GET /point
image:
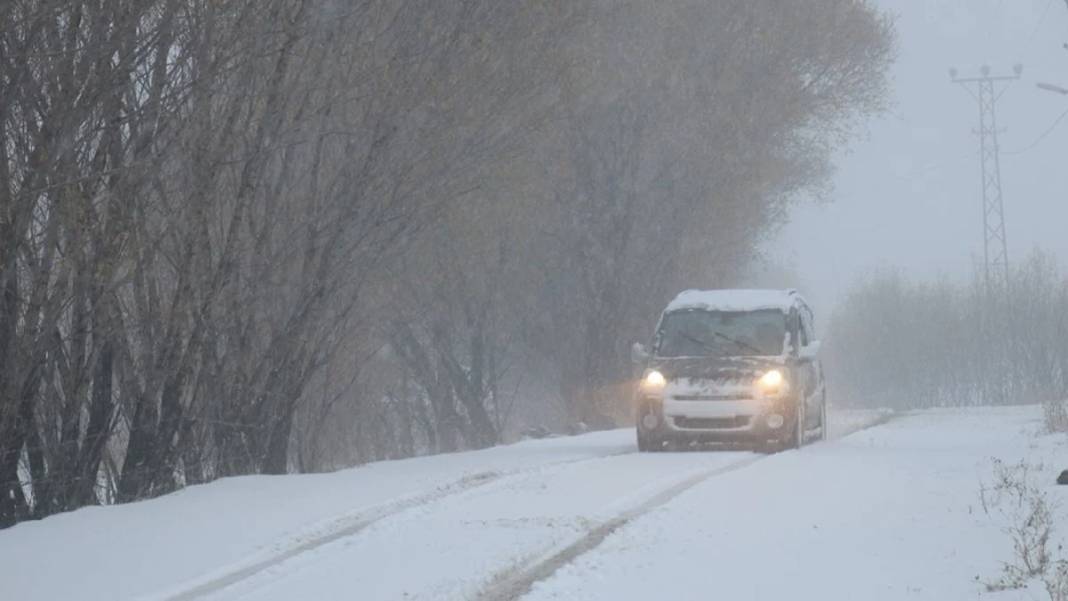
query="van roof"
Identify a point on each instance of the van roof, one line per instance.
(734, 300)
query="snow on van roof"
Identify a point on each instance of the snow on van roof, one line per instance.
(733, 300)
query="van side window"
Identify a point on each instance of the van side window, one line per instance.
(793, 328)
(807, 333)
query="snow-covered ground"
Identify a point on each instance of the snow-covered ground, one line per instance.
(888, 512)
(892, 512)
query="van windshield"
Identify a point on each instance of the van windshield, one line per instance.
(701, 333)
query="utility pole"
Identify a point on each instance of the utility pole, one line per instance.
(995, 319)
(984, 90)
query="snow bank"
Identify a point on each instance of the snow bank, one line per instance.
(135, 550)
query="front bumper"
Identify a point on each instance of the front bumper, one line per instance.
(744, 420)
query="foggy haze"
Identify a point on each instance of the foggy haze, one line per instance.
(907, 194)
(531, 300)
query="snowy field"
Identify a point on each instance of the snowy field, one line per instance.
(890, 511)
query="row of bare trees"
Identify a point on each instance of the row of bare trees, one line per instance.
(257, 236)
(912, 344)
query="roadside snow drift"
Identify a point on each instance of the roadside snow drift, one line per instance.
(130, 551)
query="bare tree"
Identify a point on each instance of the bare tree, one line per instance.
(251, 236)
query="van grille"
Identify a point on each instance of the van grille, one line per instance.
(713, 423)
(712, 397)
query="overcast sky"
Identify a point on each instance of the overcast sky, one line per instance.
(907, 194)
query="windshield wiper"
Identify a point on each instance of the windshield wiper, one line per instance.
(708, 346)
(740, 343)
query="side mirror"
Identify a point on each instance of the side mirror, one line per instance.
(638, 353)
(810, 351)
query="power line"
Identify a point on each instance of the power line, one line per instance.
(1038, 25)
(1042, 137)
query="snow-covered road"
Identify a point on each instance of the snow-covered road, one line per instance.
(888, 512)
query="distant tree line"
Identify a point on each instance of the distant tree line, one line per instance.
(908, 344)
(262, 236)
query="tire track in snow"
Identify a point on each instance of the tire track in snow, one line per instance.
(341, 528)
(515, 582)
(349, 526)
(508, 584)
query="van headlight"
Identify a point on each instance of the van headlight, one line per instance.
(653, 380)
(771, 383)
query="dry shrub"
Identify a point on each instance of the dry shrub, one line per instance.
(1056, 580)
(1029, 513)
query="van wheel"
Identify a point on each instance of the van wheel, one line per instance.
(796, 438)
(649, 422)
(647, 443)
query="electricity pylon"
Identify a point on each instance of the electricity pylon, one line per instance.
(984, 90)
